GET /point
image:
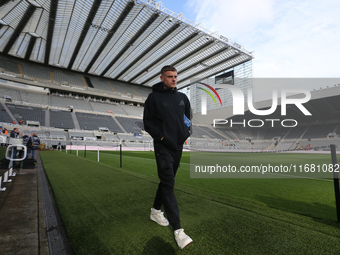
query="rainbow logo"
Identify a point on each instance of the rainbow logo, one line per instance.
(209, 93)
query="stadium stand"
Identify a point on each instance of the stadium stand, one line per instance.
(53, 143)
(244, 133)
(10, 94)
(140, 124)
(34, 98)
(56, 134)
(134, 137)
(296, 132)
(142, 91)
(197, 132)
(284, 145)
(106, 107)
(126, 137)
(35, 71)
(102, 84)
(49, 134)
(319, 131)
(110, 137)
(133, 110)
(27, 113)
(71, 78)
(318, 144)
(205, 131)
(80, 135)
(259, 145)
(4, 116)
(270, 133)
(123, 88)
(59, 77)
(130, 124)
(94, 143)
(61, 119)
(89, 121)
(9, 65)
(226, 132)
(69, 102)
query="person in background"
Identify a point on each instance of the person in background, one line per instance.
(14, 134)
(59, 145)
(32, 145)
(25, 139)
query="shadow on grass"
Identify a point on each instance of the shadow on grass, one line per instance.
(312, 209)
(157, 245)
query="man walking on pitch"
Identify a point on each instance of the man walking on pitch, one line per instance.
(166, 118)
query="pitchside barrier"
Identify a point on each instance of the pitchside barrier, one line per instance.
(9, 150)
(119, 147)
(84, 149)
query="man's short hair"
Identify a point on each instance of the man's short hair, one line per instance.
(168, 68)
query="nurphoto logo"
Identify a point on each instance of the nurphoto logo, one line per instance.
(238, 105)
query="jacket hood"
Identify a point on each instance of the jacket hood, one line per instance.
(159, 87)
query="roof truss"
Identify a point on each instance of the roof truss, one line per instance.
(125, 40)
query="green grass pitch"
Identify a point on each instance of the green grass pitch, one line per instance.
(106, 209)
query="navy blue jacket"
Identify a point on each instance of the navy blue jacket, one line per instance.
(14, 135)
(36, 141)
(164, 116)
(25, 138)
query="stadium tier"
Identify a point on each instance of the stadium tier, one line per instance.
(102, 84)
(226, 132)
(132, 110)
(110, 137)
(66, 80)
(9, 65)
(61, 119)
(35, 71)
(319, 131)
(63, 76)
(80, 135)
(296, 132)
(68, 102)
(107, 107)
(204, 131)
(285, 145)
(129, 124)
(10, 94)
(94, 121)
(34, 98)
(96, 144)
(27, 113)
(4, 116)
(270, 133)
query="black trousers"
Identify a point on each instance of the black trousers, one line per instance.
(167, 165)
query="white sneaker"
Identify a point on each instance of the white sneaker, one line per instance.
(182, 239)
(157, 216)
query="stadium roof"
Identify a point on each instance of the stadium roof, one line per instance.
(124, 40)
